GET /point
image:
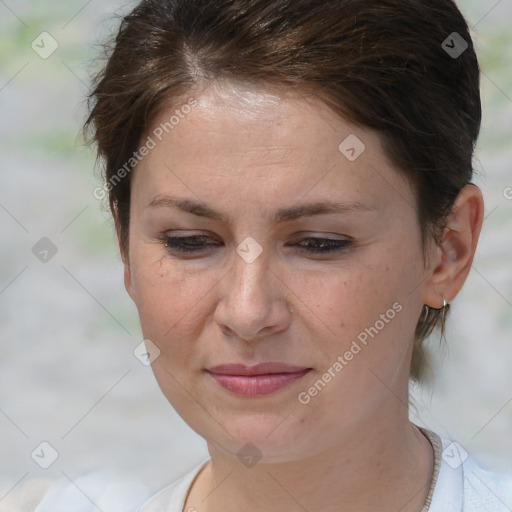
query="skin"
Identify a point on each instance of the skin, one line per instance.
(247, 153)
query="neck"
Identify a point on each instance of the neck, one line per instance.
(379, 465)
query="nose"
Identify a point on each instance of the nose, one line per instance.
(253, 303)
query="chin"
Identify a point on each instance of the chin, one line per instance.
(266, 437)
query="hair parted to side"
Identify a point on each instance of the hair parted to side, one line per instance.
(380, 64)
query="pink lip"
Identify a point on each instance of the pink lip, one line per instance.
(258, 369)
(258, 380)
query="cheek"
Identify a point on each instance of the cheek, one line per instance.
(168, 297)
(348, 298)
(363, 308)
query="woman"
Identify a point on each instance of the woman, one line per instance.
(291, 187)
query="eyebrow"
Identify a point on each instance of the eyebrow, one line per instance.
(284, 214)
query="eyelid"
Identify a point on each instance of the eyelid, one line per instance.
(322, 246)
(321, 234)
(190, 233)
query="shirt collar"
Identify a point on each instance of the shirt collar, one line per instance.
(448, 488)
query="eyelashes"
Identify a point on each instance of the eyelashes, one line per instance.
(312, 245)
(184, 244)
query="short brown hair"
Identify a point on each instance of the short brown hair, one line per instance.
(405, 68)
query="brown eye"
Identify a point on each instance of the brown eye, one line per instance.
(323, 245)
(188, 244)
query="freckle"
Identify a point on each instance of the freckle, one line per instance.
(342, 324)
(160, 272)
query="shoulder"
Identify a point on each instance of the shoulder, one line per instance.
(101, 490)
(465, 483)
(93, 491)
(485, 489)
(172, 498)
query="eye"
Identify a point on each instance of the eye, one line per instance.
(323, 245)
(187, 244)
(198, 244)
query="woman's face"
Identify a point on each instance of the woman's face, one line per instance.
(256, 286)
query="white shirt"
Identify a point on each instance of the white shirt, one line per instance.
(459, 484)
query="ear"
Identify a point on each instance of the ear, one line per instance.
(128, 283)
(454, 255)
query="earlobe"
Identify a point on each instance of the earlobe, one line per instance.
(457, 248)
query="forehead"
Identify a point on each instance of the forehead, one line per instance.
(255, 122)
(263, 143)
